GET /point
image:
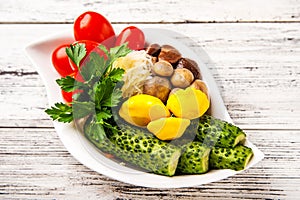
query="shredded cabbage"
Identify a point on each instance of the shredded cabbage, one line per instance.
(137, 65)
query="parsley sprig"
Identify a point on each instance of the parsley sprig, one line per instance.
(76, 53)
(61, 112)
(99, 93)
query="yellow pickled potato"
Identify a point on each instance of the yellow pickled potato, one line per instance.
(140, 109)
(168, 128)
(189, 103)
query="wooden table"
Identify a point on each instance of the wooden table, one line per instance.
(255, 49)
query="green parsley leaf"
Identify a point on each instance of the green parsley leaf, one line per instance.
(66, 84)
(97, 130)
(60, 112)
(116, 74)
(114, 99)
(103, 114)
(94, 68)
(106, 94)
(119, 51)
(104, 49)
(98, 93)
(69, 84)
(76, 53)
(116, 52)
(82, 109)
(103, 91)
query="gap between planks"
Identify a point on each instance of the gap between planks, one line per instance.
(52, 128)
(155, 22)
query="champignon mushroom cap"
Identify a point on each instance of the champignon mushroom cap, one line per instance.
(190, 65)
(200, 85)
(153, 49)
(182, 78)
(158, 87)
(163, 68)
(169, 53)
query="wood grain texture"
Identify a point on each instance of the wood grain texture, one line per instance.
(35, 165)
(251, 48)
(174, 11)
(257, 71)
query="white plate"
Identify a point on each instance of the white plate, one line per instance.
(40, 54)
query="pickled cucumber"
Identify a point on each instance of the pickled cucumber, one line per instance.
(194, 159)
(235, 158)
(215, 132)
(137, 147)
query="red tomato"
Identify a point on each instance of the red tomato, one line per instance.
(93, 26)
(134, 36)
(60, 61)
(68, 96)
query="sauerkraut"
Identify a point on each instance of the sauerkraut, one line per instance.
(137, 66)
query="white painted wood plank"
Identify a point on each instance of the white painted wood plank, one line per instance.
(56, 11)
(35, 165)
(256, 67)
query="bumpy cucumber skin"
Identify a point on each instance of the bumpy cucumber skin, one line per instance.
(139, 148)
(194, 159)
(188, 136)
(230, 158)
(214, 132)
(104, 144)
